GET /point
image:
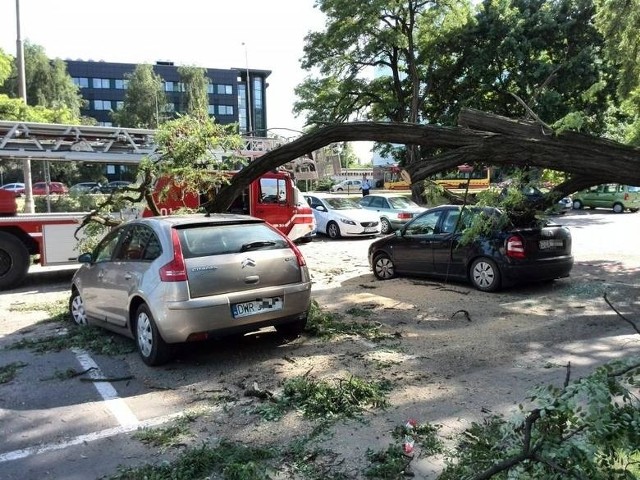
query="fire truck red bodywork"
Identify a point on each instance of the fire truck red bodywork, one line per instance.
(272, 197)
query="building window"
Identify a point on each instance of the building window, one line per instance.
(119, 105)
(101, 83)
(102, 104)
(224, 89)
(121, 84)
(210, 88)
(105, 124)
(211, 110)
(225, 110)
(82, 82)
(168, 86)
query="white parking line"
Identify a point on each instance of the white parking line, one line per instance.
(90, 437)
(115, 404)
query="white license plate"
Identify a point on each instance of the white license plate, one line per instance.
(370, 229)
(255, 307)
(553, 243)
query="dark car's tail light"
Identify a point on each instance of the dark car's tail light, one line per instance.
(175, 270)
(515, 247)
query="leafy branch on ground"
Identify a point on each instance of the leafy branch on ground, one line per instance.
(57, 311)
(326, 400)
(233, 461)
(92, 339)
(588, 428)
(327, 325)
(170, 435)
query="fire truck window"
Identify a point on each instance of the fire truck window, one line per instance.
(241, 203)
(272, 191)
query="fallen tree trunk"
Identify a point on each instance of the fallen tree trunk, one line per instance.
(481, 138)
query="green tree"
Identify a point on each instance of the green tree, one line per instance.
(145, 102)
(47, 81)
(548, 54)
(5, 66)
(195, 99)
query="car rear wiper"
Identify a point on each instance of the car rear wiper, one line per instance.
(255, 245)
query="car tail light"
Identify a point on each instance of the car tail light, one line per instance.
(301, 260)
(515, 247)
(626, 196)
(405, 216)
(175, 270)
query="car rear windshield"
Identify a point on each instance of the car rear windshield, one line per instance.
(634, 189)
(206, 240)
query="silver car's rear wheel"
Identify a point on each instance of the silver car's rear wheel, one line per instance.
(383, 267)
(484, 275)
(577, 204)
(76, 308)
(152, 348)
(385, 226)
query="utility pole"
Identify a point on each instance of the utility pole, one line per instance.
(29, 206)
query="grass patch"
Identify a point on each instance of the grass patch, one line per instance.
(9, 371)
(231, 461)
(170, 435)
(92, 339)
(389, 464)
(327, 325)
(319, 399)
(359, 312)
(58, 311)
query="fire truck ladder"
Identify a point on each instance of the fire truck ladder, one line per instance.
(114, 145)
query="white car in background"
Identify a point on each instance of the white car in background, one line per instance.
(349, 186)
(343, 217)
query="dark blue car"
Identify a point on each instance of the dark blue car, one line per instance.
(430, 245)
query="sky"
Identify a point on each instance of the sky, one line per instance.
(203, 33)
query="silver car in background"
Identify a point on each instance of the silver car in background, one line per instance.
(168, 280)
(395, 209)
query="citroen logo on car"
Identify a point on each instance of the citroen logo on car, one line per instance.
(248, 262)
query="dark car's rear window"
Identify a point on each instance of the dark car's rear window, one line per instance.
(200, 241)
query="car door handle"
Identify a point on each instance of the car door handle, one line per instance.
(252, 279)
(127, 276)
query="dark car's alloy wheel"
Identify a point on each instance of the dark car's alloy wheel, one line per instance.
(383, 267)
(577, 204)
(152, 348)
(76, 309)
(333, 230)
(484, 275)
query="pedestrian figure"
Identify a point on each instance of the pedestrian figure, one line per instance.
(366, 186)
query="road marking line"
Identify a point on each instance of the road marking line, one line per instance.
(113, 402)
(90, 437)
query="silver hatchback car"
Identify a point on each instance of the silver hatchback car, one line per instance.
(168, 280)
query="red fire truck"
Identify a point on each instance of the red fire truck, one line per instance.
(272, 197)
(50, 236)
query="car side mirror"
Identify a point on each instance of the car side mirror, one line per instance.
(320, 208)
(85, 258)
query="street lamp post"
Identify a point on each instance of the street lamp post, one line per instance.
(249, 121)
(29, 206)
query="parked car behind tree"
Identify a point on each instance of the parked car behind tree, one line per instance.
(610, 195)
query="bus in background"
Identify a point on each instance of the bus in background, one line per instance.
(454, 180)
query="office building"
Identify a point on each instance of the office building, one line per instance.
(103, 86)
